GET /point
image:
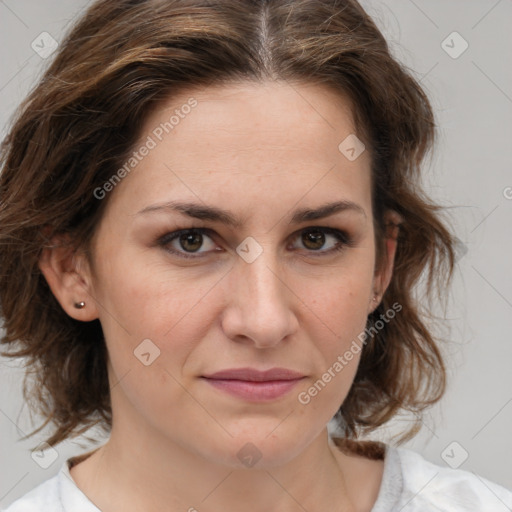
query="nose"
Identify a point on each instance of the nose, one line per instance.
(260, 304)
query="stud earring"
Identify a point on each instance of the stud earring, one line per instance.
(79, 305)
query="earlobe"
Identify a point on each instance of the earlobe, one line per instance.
(68, 276)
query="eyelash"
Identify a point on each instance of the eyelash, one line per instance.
(342, 236)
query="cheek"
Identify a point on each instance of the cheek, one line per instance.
(322, 395)
(337, 316)
(341, 305)
(156, 319)
(147, 299)
(156, 394)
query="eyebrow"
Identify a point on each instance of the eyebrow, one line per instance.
(215, 214)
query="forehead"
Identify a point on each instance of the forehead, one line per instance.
(246, 138)
(274, 114)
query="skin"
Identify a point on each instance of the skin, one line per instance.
(260, 151)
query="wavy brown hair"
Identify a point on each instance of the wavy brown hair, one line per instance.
(83, 118)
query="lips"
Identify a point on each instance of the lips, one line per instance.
(253, 385)
(253, 375)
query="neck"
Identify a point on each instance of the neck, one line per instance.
(133, 471)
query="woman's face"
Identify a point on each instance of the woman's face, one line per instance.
(259, 283)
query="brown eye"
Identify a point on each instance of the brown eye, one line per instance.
(313, 240)
(188, 242)
(191, 242)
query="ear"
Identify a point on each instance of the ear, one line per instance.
(69, 277)
(382, 277)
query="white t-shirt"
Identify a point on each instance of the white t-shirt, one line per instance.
(409, 484)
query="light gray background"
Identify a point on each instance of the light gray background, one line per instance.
(470, 173)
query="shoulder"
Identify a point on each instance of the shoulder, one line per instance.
(428, 486)
(43, 498)
(57, 494)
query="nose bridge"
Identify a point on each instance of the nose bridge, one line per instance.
(264, 286)
(261, 300)
(262, 279)
(257, 264)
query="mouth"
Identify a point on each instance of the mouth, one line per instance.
(254, 385)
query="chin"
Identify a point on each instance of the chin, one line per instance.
(261, 448)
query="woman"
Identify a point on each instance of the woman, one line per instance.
(211, 232)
